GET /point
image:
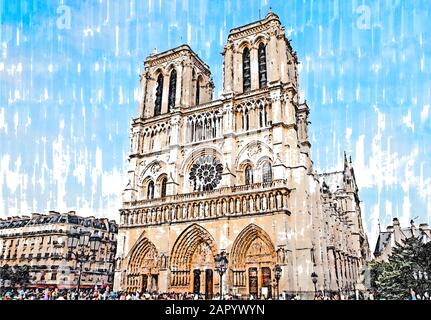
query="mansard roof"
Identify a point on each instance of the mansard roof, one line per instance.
(384, 238)
(57, 218)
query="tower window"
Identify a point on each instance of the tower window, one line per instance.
(159, 93)
(262, 66)
(246, 120)
(172, 90)
(248, 173)
(246, 77)
(266, 173)
(163, 185)
(150, 190)
(198, 90)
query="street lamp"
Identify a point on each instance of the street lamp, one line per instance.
(278, 272)
(77, 242)
(221, 267)
(314, 277)
(420, 277)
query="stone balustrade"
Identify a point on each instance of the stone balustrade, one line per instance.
(227, 201)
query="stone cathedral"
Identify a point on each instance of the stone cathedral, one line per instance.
(233, 175)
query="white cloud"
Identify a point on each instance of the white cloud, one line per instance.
(407, 120)
(425, 113)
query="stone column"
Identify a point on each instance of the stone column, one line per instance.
(228, 68)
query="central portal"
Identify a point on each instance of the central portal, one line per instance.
(202, 266)
(208, 284)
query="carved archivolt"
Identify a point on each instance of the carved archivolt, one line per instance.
(188, 243)
(252, 152)
(151, 171)
(252, 246)
(144, 259)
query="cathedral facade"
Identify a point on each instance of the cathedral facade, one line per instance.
(233, 175)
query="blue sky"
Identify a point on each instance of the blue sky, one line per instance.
(69, 89)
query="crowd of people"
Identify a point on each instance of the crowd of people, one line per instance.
(105, 293)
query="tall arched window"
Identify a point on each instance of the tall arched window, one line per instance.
(246, 120)
(159, 93)
(248, 174)
(163, 185)
(266, 173)
(262, 66)
(246, 76)
(172, 90)
(150, 190)
(198, 90)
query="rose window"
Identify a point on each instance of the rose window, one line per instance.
(206, 173)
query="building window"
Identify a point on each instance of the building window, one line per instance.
(163, 187)
(263, 116)
(266, 173)
(172, 90)
(54, 276)
(246, 125)
(246, 76)
(262, 66)
(159, 93)
(198, 90)
(248, 173)
(150, 190)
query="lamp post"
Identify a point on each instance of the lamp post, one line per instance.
(77, 243)
(278, 272)
(314, 277)
(221, 267)
(420, 277)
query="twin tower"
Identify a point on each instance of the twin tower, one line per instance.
(232, 176)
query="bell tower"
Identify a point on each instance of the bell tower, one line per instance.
(174, 79)
(258, 55)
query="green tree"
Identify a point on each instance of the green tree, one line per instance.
(407, 269)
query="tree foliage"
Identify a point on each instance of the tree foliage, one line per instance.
(17, 275)
(396, 278)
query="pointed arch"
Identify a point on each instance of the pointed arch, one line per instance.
(243, 242)
(248, 174)
(246, 71)
(163, 186)
(172, 90)
(198, 90)
(187, 243)
(262, 65)
(144, 258)
(266, 172)
(150, 190)
(159, 95)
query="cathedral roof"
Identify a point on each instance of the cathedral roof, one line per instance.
(269, 17)
(334, 180)
(171, 52)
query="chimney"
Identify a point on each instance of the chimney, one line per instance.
(53, 212)
(35, 215)
(423, 226)
(72, 213)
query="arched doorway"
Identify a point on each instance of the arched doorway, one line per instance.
(143, 269)
(192, 262)
(253, 258)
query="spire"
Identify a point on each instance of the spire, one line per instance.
(346, 163)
